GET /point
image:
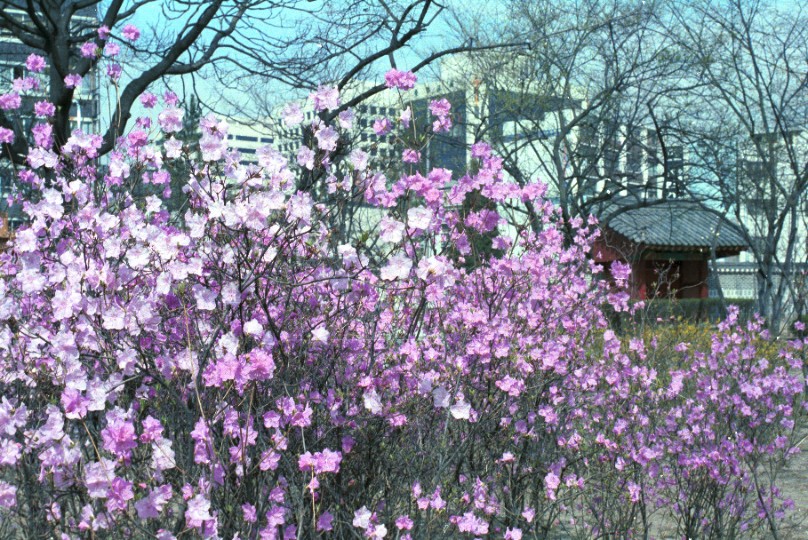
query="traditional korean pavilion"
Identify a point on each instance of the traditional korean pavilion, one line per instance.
(668, 244)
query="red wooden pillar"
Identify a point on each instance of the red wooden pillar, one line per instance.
(704, 291)
(639, 278)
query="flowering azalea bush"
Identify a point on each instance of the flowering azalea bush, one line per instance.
(239, 371)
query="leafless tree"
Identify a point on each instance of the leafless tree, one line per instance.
(577, 109)
(706, 100)
(294, 43)
(56, 30)
(337, 43)
(744, 126)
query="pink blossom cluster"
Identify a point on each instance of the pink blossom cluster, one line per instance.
(242, 370)
(441, 110)
(403, 80)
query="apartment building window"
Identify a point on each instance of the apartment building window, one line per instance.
(588, 150)
(652, 144)
(761, 170)
(759, 244)
(611, 160)
(675, 169)
(634, 160)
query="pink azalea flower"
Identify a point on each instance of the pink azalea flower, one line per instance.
(634, 491)
(10, 453)
(391, 231)
(197, 511)
(212, 148)
(362, 518)
(299, 207)
(305, 158)
(170, 120)
(442, 125)
(292, 114)
(325, 522)
(43, 135)
(406, 117)
(35, 63)
(152, 429)
(119, 494)
(24, 84)
(373, 402)
(420, 217)
(398, 267)
(410, 156)
(249, 513)
(621, 272)
(440, 107)
(130, 32)
(44, 108)
(470, 523)
(480, 150)
(98, 476)
(346, 119)
(8, 495)
(119, 436)
(171, 99)
(551, 483)
(10, 101)
(327, 139)
(114, 71)
(148, 100)
(358, 159)
(74, 403)
(513, 534)
(404, 523)
(461, 410)
(403, 80)
(173, 148)
(138, 138)
(112, 49)
(325, 98)
(152, 505)
(73, 81)
(320, 335)
(89, 49)
(382, 126)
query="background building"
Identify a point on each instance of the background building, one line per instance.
(771, 169)
(247, 138)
